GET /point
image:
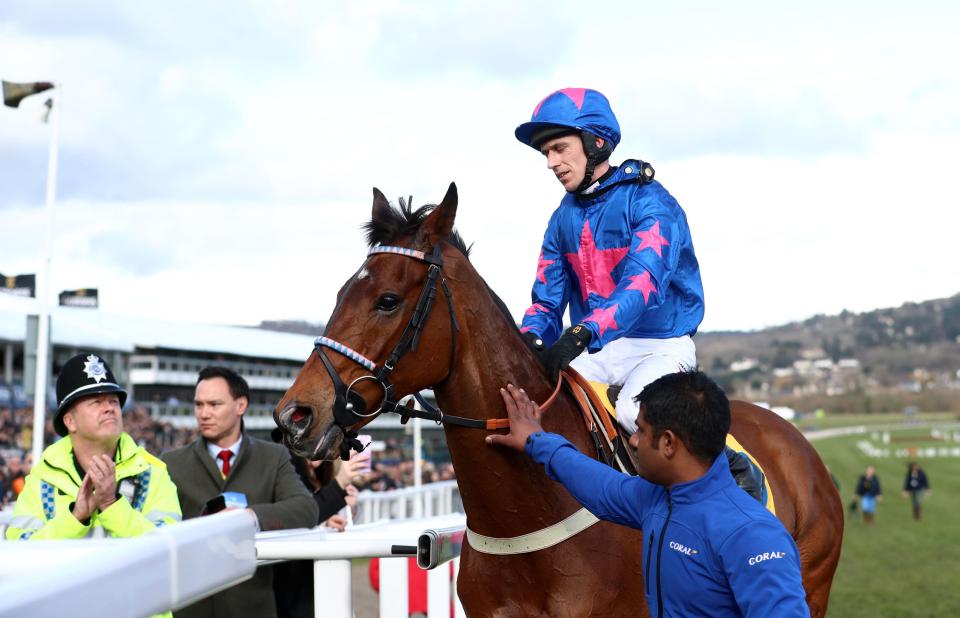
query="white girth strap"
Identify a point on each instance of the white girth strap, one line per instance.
(534, 541)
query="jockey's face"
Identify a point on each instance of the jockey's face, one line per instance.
(566, 159)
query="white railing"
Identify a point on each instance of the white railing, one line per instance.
(166, 569)
(432, 499)
(181, 564)
(392, 542)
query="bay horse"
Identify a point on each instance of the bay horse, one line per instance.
(465, 346)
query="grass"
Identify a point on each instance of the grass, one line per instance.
(898, 567)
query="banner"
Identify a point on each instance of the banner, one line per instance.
(84, 297)
(19, 285)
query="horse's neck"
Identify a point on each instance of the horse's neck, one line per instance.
(497, 484)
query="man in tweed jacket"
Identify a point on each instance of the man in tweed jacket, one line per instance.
(227, 459)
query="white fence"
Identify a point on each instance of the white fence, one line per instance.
(428, 500)
(167, 569)
(392, 542)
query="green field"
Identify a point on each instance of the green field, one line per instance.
(898, 567)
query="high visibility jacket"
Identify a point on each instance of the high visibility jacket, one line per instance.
(622, 259)
(148, 498)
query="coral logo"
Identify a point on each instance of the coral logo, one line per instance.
(683, 549)
(767, 555)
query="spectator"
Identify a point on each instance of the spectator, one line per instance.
(226, 459)
(330, 482)
(916, 486)
(100, 481)
(869, 492)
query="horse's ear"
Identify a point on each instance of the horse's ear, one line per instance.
(439, 224)
(381, 207)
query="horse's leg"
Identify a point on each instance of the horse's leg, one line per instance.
(806, 500)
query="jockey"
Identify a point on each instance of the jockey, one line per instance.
(617, 250)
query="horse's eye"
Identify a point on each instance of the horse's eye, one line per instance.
(388, 302)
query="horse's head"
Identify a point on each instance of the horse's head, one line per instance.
(386, 338)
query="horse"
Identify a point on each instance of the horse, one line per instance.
(465, 347)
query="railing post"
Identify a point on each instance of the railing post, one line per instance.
(332, 588)
(394, 597)
(438, 592)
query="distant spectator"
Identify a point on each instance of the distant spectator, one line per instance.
(330, 482)
(869, 492)
(916, 486)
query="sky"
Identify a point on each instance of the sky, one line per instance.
(216, 160)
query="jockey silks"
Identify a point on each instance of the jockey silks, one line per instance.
(622, 258)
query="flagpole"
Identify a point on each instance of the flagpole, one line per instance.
(43, 333)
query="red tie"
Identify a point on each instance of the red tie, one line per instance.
(225, 456)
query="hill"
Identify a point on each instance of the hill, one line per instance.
(908, 355)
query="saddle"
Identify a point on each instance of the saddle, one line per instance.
(746, 471)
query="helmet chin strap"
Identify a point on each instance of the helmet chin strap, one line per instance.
(595, 156)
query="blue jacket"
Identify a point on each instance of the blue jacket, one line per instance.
(623, 259)
(709, 548)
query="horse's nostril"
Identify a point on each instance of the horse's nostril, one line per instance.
(299, 414)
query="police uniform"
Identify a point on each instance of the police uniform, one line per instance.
(147, 498)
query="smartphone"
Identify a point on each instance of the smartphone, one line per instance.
(365, 456)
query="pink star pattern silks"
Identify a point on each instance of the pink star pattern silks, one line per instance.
(604, 319)
(643, 283)
(594, 266)
(534, 309)
(574, 94)
(651, 238)
(542, 265)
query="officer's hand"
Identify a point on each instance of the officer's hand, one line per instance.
(569, 346)
(85, 503)
(524, 418)
(104, 476)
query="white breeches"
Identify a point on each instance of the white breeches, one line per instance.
(634, 363)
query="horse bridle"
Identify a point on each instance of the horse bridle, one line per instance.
(349, 407)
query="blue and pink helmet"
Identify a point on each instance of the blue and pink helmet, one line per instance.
(571, 110)
(574, 111)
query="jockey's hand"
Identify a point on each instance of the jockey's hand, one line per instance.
(524, 418)
(569, 346)
(534, 342)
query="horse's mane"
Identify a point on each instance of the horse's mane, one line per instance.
(402, 221)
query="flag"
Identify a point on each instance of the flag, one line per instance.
(14, 92)
(84, 297)
(19, 285)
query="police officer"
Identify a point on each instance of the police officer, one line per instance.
(617, 250)
(96, 481)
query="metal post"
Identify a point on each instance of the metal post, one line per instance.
(8, 363)
(43, 295)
